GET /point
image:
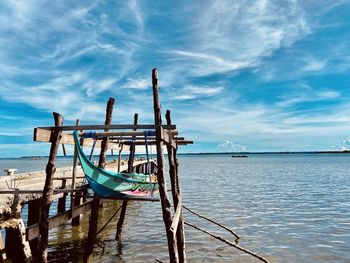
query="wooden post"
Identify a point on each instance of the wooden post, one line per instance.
(96, 201)
(61, 206)
(33, 218)
(48, 189)
(176, 192)
(119, 155)
(125, 202)
(74, 200)
(16, 246)
(64, 150)
(160, 173)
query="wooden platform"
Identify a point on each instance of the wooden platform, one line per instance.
(31, 184)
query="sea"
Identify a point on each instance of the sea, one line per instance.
(284, 207)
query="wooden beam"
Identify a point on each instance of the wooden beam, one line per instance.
(126, 133)
(27, 191)
(32, 231)
(110, 127)
(154, 142)
(43, 135)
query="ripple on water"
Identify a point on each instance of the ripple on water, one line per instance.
(288, 208)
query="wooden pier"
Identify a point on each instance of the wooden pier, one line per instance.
(27, 243)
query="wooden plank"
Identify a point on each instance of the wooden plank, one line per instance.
(176, 217)
(42, 135)
(110, 127)
(32, 231)
(167, 137)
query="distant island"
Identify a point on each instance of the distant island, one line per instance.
(285, 152)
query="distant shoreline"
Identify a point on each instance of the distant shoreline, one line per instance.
(285, 152)
(205, 153)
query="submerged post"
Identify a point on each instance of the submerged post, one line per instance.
(96, 201)
(130, 170)
(55, 137)
(160, 171)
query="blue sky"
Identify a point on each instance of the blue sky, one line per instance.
(238, 75)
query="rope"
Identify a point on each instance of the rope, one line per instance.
(228, 242)
(109, 220)
(214, 222)
(92, 149)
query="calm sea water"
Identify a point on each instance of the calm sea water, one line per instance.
(287, 208)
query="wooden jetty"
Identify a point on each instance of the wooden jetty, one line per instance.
(27, 243)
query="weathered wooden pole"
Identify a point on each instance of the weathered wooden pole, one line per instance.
(160, 171)
(96, 201)
(75, 199)
(56, 135)
(176, 192)
(120, 223)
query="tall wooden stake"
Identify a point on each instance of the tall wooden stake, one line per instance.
(95, 204)
(75, 199)
(125, 202)
(160, 173)
(56, 135)
(176, 192)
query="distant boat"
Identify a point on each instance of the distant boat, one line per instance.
(239, 156)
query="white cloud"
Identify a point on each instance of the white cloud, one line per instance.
(343, 146)
(229, 146)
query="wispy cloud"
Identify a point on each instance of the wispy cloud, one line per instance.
(138, 84)
(262, 73)
(306, 94)
(193, 92)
